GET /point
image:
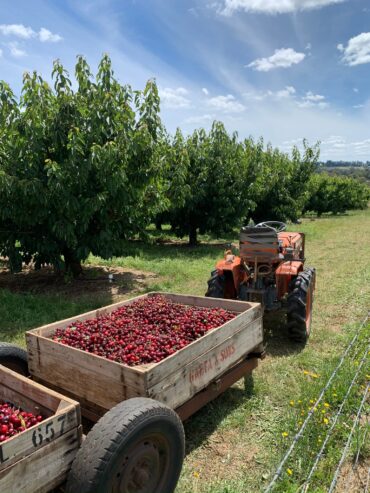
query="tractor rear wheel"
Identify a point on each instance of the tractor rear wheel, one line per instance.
(216, 286)
(300, 301)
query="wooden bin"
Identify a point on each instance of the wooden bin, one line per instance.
(39, 458)
(99, 384)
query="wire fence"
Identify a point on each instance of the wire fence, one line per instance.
(334, 422)
(359, 448)
(300, 433)
(345, 450)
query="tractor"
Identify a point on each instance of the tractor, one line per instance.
(270, 270)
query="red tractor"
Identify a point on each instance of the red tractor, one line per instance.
(270, 270)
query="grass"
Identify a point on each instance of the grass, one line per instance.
(234, 443)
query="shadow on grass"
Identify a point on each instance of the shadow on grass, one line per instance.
(169, 250)
(204, 422)
(23, 311)
(276, 336)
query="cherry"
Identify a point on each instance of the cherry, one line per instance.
(146, 331)
(14, 420)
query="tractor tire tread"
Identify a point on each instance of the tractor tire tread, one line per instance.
(216, 286)
(297, 305)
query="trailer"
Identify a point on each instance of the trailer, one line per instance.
(137, 442)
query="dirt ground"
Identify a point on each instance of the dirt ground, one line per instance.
(95, 281)
(354, 479)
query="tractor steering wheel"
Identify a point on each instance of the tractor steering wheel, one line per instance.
(274, 225)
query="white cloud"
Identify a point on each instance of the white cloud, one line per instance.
(18, 30)
(193, 11)
(226, 103)
(205, 91)
(24, 32)
(282, 58)
(333, 139)
(1, 52)
(310, 96)
(358, 106)
(311, 99)
(273, 6)
(287, 92)
(174, 98)
(335, 147)
(310, 104)
(338, 146)
(355, 89)
(357, 50)
(197, 120)
(47, 36)
(15, 51)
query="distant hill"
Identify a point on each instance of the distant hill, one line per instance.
(345, 164)
(354, 169)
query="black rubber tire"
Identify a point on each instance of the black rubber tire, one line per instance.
(106, 459)
(300, 301)
(14, 357)
(216, 286)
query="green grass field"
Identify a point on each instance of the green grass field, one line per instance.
(234, 443)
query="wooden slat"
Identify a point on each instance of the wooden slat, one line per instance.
(180, 386)
(260, 241)
(213, 338)
(204, 302)
(259, 249)
(43, 470)
(83, 374)
(216, 388)
(247, 236)
(29, 389)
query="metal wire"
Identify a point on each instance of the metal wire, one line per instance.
(367, 481)
(354, 466)
(363, 441)
(336, 417)
(336, 474)
(303, 427)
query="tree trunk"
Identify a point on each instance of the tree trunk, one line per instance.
(192, 235)
(72, 263)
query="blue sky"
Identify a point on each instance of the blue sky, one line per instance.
(281, 69)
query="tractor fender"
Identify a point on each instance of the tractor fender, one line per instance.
(232, 267)
(284, 274)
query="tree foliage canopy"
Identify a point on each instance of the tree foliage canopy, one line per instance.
(227, 181)
(213, 194)
(80, 169)
(336, 194)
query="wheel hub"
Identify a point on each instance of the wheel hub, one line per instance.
(141, 469)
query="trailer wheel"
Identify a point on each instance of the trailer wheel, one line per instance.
(216, 286)
(136, 447)
(14, 357)
(300, 301)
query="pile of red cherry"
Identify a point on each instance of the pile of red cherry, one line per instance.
(13, 420)
(146, 331)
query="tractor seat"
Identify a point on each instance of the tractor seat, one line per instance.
(261, 244)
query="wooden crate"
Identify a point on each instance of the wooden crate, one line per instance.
(38, 459)
(99, 384)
